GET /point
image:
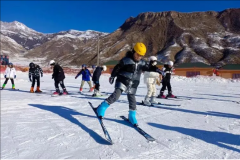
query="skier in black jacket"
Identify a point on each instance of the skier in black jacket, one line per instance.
(95, 78)
(167, 69)
(34, 75)
(58, 76)
(128, 72)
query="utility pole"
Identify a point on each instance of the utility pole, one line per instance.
(98, 51)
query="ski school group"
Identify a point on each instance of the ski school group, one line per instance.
(127, 73)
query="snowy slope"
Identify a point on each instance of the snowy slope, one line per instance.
(40, 126)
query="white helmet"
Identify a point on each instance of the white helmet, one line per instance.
(170, 63)
(104, 68)
(153, 58)
(52, 62)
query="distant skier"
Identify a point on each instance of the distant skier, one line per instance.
(34, 75)
(93, 69)
(58, 76)
(128, 72)
(168, 69)
(85, 77)
(96, 76)
(150, 79)
(10, 73)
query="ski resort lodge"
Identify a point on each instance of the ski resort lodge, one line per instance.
(194, 69)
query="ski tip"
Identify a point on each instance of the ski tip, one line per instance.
(151, 141)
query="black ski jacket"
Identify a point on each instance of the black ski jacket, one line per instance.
(128, 71)
(58, 73)
(35, 71)
(168, 72)
(97, 73)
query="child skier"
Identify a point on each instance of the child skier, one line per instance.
(85, 77)
(151, 78)
(96, 76)
(58, 76)
(10, 73)
(34, 75)
(168, 69)
(93, 69)
(128, 72)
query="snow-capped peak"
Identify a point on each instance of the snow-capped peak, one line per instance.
(79, 34)
(18, 27)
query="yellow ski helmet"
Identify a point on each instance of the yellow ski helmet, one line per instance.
(140, 48)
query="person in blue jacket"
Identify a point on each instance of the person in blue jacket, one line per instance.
(85, 77)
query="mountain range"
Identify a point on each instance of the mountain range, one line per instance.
(210, 37)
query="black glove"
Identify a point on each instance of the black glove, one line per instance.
(41, 75)
(30, 79)
(111, 80)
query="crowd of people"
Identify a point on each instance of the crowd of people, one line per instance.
(126, 75)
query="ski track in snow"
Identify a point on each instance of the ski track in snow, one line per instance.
(40, 126)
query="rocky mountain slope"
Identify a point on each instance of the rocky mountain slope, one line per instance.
(209, 37)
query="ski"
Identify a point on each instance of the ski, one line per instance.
(92, 95)
(108, 138)
(102, 95)
(142, 132)
(179, 98)
(61, 94)
(158, 104)
(236, 102)
(9, 89)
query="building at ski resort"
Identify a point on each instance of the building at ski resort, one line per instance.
(194, 69)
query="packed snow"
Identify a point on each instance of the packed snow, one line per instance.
(38, 126)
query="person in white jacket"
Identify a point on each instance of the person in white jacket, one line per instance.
(151, 79)
(10, 73)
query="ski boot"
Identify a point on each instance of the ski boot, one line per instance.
(161, 95)
(65, 91)
(98, 94)
(132, 117)
(80, 90)
(102, 108)
(147, 101)
(32, 90)
(13, 86)
(95, 93)
(91, 89)
(38, 90)
(56, 93)
(153, 100)
(3, 86)
(170, 95)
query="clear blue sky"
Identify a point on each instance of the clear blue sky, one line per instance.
(104, 16)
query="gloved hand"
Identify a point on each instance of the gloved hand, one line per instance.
(30, 79)
(153, 63)
(15, 76)
(52, 77)
(111, 80)
(41, 75)
(5, 76)
(163, 74)
(75, 77)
